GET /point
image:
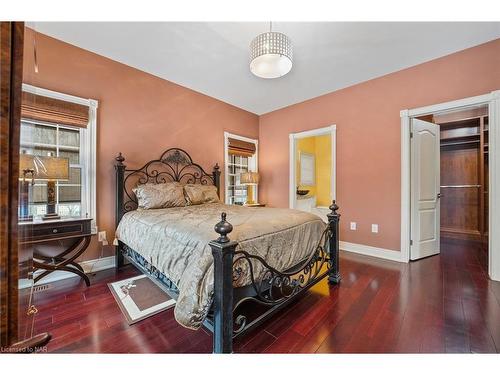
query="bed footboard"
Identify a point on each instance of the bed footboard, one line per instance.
(275, 290)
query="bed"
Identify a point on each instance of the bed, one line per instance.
(262, 260)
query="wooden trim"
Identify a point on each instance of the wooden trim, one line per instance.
(11, 55)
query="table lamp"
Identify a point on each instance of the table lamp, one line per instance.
(250, 179)
(43, 168)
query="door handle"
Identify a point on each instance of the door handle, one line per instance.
(439, 195)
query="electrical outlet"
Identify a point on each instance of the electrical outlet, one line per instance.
(353, 225)
(101, 236)
(374, 228)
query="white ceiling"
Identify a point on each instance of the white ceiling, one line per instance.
(212, 57)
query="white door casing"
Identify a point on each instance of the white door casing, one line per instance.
(492, 100)
(332, 130)
(425, 192)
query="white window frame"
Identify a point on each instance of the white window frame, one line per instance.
(253, 163)
(88, 149)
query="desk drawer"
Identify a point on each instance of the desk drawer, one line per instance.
(51, 231)
(58, 231)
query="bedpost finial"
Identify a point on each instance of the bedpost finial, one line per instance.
(334, 207)
(216, 166)
(223, 228)
(120, 159)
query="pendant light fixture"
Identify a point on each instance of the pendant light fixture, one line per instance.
(271, 54)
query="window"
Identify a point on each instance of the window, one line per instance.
(307, 169)
(240, 157)
(47, 130)
(44, 139)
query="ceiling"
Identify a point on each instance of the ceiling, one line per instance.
(212, 58)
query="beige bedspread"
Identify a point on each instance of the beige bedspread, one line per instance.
(175, 240)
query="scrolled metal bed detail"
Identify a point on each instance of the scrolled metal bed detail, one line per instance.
(272, 290)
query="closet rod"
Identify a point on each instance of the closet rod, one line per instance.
(460, 186)
(443, 144)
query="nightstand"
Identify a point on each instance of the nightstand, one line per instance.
(37, 232)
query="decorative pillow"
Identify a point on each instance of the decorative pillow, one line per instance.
(166, 195)
(199, 194)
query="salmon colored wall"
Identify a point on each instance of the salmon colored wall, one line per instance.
(139, 114)
(368, 136)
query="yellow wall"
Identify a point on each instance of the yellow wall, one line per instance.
(320, 147)
(323, 169)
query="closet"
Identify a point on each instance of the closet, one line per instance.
(464, 174)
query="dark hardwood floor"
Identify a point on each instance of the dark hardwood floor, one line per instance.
(443, 304)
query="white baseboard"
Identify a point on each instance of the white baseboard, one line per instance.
(92, 265)
(371, 251)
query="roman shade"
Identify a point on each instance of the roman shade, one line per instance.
(42, 108)
(241, 148)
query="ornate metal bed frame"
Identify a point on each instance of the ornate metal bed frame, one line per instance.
(276, 289)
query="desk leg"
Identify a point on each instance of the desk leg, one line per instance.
(63, 264)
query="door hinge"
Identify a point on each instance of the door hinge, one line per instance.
(411, 242)
(411, 134)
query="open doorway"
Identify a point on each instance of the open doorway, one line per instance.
(449, 181)
(312, 170)
(450, 151)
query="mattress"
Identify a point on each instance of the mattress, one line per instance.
(176, 242)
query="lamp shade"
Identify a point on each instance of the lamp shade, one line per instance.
(249, 178)
(43, 167)
(271, 55)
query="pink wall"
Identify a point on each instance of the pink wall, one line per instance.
(139, 114)
(368, 136)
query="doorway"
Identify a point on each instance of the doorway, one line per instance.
(449, 179)
(312, 170)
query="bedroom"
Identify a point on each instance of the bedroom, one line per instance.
(136, 137)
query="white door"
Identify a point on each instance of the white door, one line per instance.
(425, 193)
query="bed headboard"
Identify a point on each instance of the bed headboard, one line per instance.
(174, 165)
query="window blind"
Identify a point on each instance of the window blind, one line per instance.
(42, 108)
(241, 148)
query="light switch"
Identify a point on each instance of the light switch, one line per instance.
(353, 225)
(374, 228)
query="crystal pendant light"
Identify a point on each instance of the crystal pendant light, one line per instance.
(271, 54)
